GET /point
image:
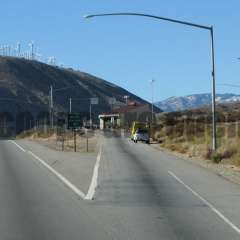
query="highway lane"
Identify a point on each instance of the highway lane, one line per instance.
(146, 194)
(36, 205)
(142, 194)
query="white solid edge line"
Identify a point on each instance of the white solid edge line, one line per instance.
(94, 183)
(225, 219)
(62, 178)
(21, 148)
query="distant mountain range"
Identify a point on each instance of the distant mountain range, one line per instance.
(195, 101)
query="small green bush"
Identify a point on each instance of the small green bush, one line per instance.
(216, 158)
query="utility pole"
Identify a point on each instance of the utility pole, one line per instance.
(214, 125)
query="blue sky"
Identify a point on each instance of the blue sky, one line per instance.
(130, 51)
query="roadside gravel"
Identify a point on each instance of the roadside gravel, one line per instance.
(227, 171)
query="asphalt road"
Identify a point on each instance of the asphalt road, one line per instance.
(142, 194)
(147, 194)
(35, 205)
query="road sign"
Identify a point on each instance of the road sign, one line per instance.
(74, 120)
(94, 101)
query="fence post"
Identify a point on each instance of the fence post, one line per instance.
(185, 127)
(63, 143)
(226, 127)
(195, 126)
(206, 128)
(86, 133)
(236, 129)
(175, 127)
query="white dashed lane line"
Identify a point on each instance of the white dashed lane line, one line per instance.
(225, 219)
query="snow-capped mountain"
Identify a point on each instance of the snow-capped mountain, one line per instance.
(194, 101)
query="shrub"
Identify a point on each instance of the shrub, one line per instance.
(228, 153)
(172, 147)
(25, 134)
(216, 157)
(183, 149)
(208, 153)
(236, 160)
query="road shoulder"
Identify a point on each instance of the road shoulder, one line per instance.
(229, 172)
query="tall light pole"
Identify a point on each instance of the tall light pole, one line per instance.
(152, 82)
(208, 28)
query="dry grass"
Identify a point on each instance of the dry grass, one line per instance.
(32, 134)
(194, 140)
(84, 142)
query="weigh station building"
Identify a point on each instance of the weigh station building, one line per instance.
(123, 116)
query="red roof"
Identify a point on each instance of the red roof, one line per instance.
(125, 109)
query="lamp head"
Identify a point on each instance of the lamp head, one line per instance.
(87, 16)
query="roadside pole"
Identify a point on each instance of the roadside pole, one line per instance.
(74, 123)
(86, 133)
(75, 141)
(87, 142)
(63, 137)
(208, 28)
(62, 143)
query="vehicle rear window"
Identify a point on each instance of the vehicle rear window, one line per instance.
(142, 131)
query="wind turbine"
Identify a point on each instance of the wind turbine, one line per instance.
(31, 45)
(18, 49)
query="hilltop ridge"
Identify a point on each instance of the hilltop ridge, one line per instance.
(25, 84)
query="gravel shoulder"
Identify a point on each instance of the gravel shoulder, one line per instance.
(227, 171)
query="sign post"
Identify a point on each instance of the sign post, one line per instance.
(74, 122)
(86, 133)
